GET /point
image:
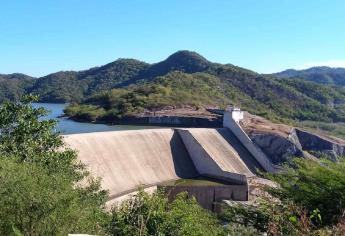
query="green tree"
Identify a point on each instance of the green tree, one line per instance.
(44, 189)
(27, 137)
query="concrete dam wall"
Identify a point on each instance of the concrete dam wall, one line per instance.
(127, 159)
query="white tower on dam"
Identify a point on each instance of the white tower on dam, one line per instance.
(236, 113)
(231, 120)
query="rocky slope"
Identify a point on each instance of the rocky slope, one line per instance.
(281, 142)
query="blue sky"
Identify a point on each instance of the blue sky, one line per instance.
(38, 37)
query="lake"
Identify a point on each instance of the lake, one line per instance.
(67, 126)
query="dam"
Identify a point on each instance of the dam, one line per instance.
(126, 160)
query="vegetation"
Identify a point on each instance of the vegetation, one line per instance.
(147, 214)
(315, 186)
(13, 86)
(333, 129)
(258, 95)
(320, 75)
(40, 194)
(169, 90)
(129, 87)
(309, 200)
(270, 216)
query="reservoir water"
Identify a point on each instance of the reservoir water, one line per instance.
(67, 126)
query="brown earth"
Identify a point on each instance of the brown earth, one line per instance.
(186, 111)
(257, 124)
(252, 123)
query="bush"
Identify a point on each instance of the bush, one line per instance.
(36, 203)
(270, 216)
(317, 186)
(147, 214)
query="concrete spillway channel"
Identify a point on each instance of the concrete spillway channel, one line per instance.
(126, 160)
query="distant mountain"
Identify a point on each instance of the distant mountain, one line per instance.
(13, 86)
(321, 75)
(67, 86)
(127, 86)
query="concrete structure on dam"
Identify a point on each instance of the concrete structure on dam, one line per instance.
(126, 160)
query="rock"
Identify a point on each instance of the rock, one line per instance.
(277, 148)
(320, 146)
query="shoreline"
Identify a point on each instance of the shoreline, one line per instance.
(169, 121)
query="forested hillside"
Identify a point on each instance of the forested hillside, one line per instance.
(321, 75)
(127, 87)
(13, 86)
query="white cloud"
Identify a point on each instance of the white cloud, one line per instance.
(329, 63)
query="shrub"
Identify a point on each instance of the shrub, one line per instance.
(317, 186)
(147, 214)
(269, 216)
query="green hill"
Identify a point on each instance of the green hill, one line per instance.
(321, 75)
(128, 87)
(217, 85)
(13, 86)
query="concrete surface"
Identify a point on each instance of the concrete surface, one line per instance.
(223, 153)
(213, 156)
(207, 196)
(256, 152)
(128, 159)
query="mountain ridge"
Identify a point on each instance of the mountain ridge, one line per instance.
(127, 87)
(318, 74)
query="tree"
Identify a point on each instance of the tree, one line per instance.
(43, 189)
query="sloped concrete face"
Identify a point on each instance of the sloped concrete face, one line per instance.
(213, 156)
(220, 150)
(256, 152)
(127, 159)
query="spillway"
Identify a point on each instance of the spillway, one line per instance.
(216, 143)
(127, 159)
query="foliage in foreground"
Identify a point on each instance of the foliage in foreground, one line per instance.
(147, 214)
(270, 216)
(315, 186)
(40, 179)
(309, 201)
(37, 203)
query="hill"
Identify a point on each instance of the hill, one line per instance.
(214, 85)
(119, 73)
(322, 75)
(128, 87)
(13, 86)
